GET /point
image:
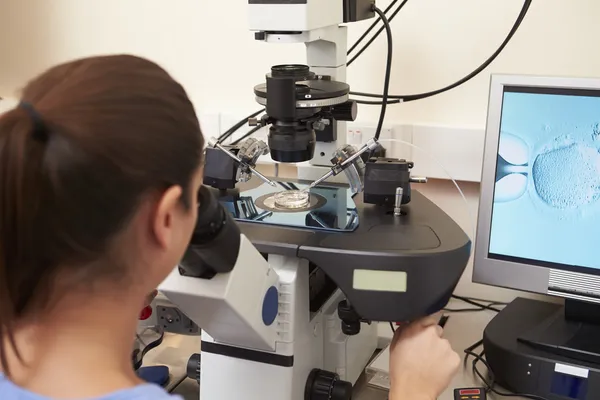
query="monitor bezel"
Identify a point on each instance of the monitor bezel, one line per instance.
(505, 273)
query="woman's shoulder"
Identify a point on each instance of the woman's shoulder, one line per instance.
(143, 392)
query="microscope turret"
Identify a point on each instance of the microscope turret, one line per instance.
(298, 102)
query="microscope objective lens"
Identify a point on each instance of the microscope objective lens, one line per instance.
(292, 199)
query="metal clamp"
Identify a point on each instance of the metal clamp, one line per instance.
(214, 143)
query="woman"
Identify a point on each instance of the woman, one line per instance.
(99, 166)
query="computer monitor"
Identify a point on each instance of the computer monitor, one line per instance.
(539, 231)
(539, 211)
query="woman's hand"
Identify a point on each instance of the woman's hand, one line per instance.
(422, 363)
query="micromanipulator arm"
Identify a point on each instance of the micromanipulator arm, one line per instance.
(340, 166)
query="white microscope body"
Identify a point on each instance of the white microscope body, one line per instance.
(250, 353)
(260, 338)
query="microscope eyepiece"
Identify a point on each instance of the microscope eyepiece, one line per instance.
(211, 218)
(215, 241)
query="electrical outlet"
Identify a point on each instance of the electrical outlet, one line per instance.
(360, 134)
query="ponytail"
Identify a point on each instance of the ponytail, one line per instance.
(21, 155)
(99, 135)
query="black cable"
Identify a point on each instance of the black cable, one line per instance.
(480, 304)
(461, 310)
(237, 126)
(366, 46)
(413, 97)
(177, 383)
(373, 25)
(392, 326)
(375, 103)
(138, 354)
(489, 384)
(388, 69)
(476, 304)
(490, 302)
(247, 134)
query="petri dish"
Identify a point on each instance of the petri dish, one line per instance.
(292, 199)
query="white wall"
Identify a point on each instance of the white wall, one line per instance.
(205, 44)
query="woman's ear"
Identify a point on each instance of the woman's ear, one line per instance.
(168, 205)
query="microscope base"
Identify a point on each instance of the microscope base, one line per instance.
(307, 341)
(229, 378)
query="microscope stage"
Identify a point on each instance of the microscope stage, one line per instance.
(326, 208)
(391, 268)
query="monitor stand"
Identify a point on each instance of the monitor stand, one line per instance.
(573, 331)
(545, 349)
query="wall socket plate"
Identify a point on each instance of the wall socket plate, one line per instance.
(359, 134)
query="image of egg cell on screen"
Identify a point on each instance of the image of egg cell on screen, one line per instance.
(546, 208)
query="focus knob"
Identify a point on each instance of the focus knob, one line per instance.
(345, 112)
(325, 385)
(349, 317)
(193, 368)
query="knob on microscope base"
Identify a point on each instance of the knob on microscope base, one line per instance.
(325, 385)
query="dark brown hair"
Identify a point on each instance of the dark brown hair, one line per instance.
(89, 139)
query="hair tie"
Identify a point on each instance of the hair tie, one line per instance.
(40, 130)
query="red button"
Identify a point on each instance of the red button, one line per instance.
(146, 313)
(470, 392)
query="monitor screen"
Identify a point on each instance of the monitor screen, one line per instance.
(546, 204)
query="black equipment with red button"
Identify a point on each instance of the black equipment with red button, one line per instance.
(470, 394)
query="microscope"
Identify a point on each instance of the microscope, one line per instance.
(288, 279)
